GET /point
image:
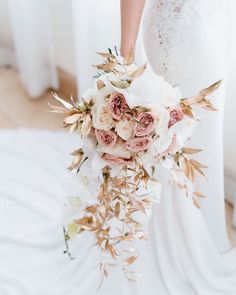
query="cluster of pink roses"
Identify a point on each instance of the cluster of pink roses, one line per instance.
(129, 129)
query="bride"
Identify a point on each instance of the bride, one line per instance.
(188, 42)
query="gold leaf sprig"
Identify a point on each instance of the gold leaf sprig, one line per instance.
(119, 202)
(200, 100)
(190, 167)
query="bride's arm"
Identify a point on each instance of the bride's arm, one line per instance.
(131, 12)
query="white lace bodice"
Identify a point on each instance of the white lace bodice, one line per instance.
(177, 33)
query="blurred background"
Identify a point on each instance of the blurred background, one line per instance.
(51, 44)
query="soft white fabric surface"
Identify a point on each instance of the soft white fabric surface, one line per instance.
(180, 258)
(32, 173)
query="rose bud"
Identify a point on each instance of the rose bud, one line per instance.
(106, 138)
(145, 125)
(176, 115)
(117, 105)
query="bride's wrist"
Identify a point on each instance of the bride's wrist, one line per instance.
(124, 49)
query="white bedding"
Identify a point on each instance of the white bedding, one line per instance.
(180, 259)
(32, 171)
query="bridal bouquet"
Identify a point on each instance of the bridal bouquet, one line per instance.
(132, 124)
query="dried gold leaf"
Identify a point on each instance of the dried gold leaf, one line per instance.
(106, 55)
(91, 209)
(211, 88)
(100, 84)
(139, 71)
(197, 164)
(66, 104)
(187, 110)
(187, 150)
(76, 162)
(73, 127)
(130, 260)
(120, 84)
(199, 194)
(199, 171)
(106, 67)
(86, 126)
(72, 119)
(76, 152)
(117, 209)
(195, 202)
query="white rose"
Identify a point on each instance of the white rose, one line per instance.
(163, 118)
(159, 145)
(124, 127)
(183, 130)
(101, 117)
(171, 95)
(146, 89)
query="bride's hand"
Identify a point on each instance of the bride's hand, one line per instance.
(131, 12)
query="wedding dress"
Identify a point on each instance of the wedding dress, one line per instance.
(188, 252)
(188, 42)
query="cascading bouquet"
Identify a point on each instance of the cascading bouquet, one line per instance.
(132, 125)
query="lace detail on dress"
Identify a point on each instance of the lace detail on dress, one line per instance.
(168, 13)
(167, 27)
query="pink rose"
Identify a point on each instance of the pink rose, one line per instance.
(106, 138)
(116, 160)
(117, 105)
(138, 144)
(145, 125)
(176, 115)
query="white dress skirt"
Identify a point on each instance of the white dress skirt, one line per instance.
(188, 252)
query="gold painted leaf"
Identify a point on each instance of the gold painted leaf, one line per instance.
(92, 209)
(200, 171)
(139, 71)
(130, 260)
(66, 104)
(211, 88)
(199, 194)
(72, 119)
(197, 164)
(106, 55)
(76, 152)
(86, 126)
(57, 109)
(76, 162)
(117, 209)
(120, 84)
(106, 67)
(195, 202)
(188, 111)
(73, 127)
(100, 84)
(187, 150)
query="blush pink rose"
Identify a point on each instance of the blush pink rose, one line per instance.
(145, 125)
(116, 160)
(176, 115)
(106, 138)
(117, 105)
(138, 144)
